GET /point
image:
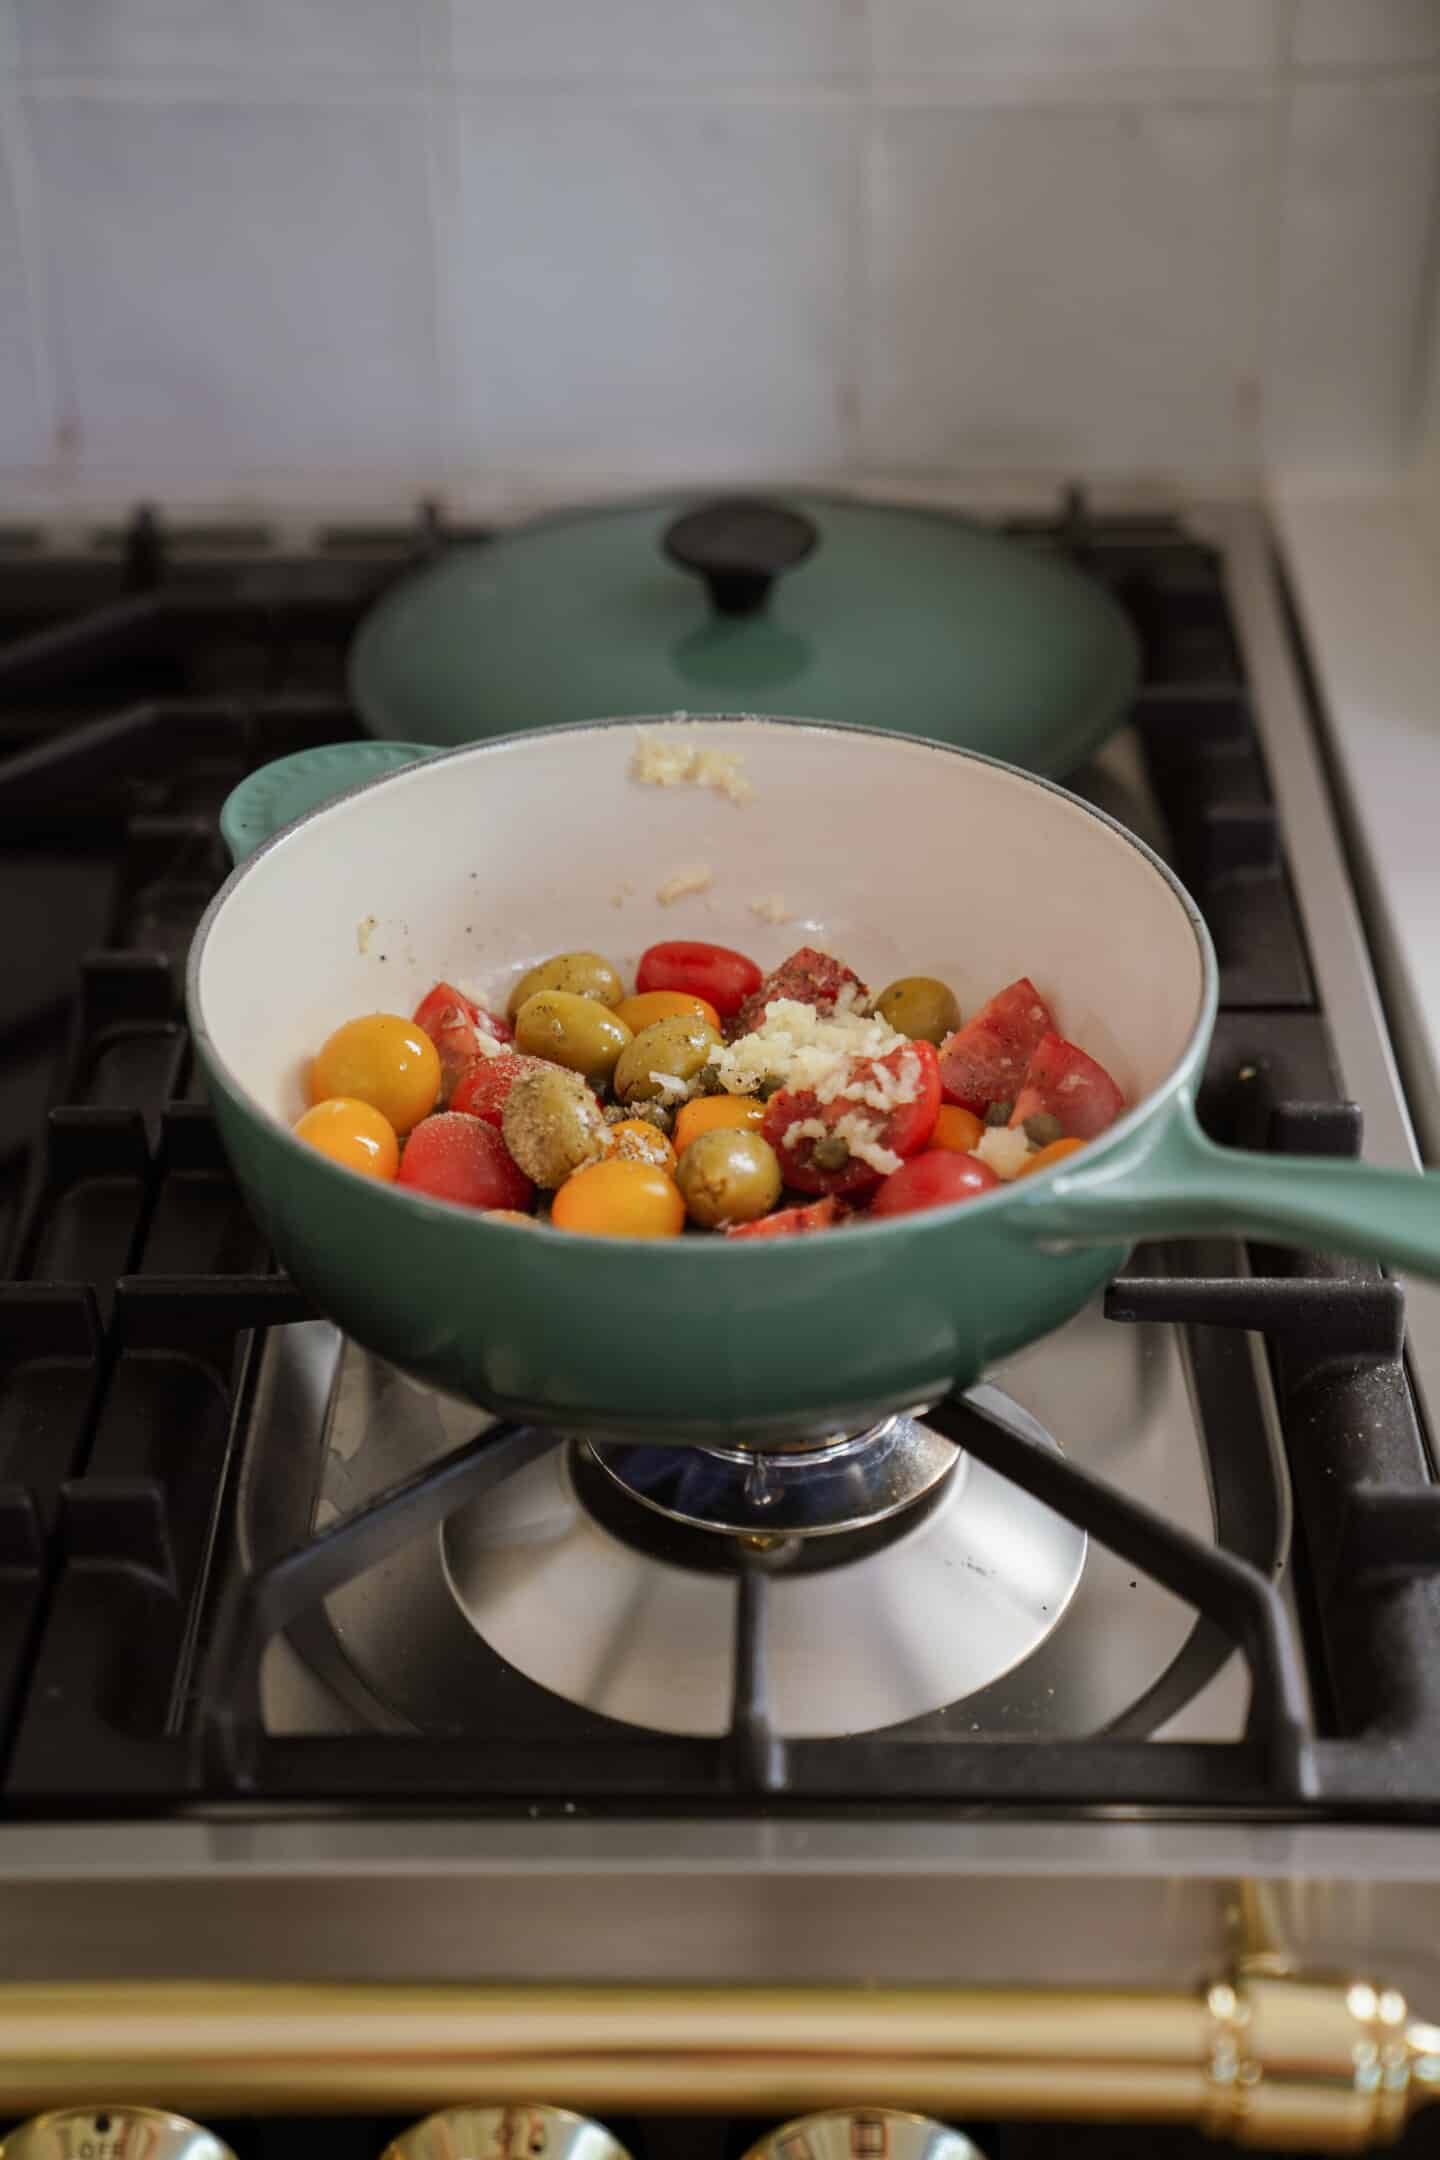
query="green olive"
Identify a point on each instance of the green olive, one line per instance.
(576, 1031)
(678, 1047)
(1043, 1129)
(552, 1124)
(582, 974)
(920, 1007)
(728, 1175)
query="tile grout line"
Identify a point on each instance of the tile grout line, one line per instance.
(1268, 254)
(858, 313)
(1113, 89)
(1418, 383)
(442, 145)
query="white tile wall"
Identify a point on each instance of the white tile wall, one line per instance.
(1354, 279)
(331, 252)
(1027, 307)
(653, 285)
(1053, 39)
(692, 41)
(127, 37)
(234, 282)
(22, 419)
(1331, 33)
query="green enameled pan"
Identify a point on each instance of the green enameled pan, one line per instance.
(904, 856)
(886, 617)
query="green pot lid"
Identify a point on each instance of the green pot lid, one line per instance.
(882, 616)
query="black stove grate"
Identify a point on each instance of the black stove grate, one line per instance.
(136, 686)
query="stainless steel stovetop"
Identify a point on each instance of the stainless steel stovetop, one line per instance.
(985, 1615)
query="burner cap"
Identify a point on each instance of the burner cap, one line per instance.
(810, 1492)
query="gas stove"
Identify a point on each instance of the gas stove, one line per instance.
(308, 1674)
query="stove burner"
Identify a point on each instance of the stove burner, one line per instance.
(916, 1613)
(859, 1479)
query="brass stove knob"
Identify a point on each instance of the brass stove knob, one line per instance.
(112, 2133)
(512, 2133)
(865, 2134)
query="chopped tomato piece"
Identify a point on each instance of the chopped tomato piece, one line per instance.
(984, 1061)
(1062, 1080)
(453, 1022)
(934, 1179)
(791, 1221)
(465, 1160)
(825, 1161)
(429, 1013)
(724, 979)
(808, 977)
(486, 1081)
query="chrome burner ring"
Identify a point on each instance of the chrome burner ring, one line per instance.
(858, 1480)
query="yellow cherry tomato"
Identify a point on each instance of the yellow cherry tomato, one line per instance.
(616, 1198)
(637, 1140)
(384, 1061)
(647, 1006)
(1046, 1157)
(353, 1133)
(957, 1130)
(714, 1113)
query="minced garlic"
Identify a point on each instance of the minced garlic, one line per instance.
(1004, 1148)
(672, 761)
(697, 878)
(805, 1049)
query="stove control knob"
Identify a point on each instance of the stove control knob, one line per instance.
(112, 2133)
(512, 2133)
(740, 547)
(865, 2134)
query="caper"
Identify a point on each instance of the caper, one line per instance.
(578, 1032)
(831, 1153)
(920, 1007)
(552, 1124)
(998, 1113)
(583, 974)
(1043, 1128)
(728, 1175)
(676, 1048)
(770, 1085)
(656, 1113)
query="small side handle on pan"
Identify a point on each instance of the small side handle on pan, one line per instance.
(288, 788)
(1173, 1181)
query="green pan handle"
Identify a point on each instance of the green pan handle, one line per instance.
(291, 787)
(1174, 1182)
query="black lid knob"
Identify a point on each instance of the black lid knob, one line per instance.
(740, 547)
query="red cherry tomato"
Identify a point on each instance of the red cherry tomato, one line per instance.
(904, 1130)
(723, 978)
(791, 1221)
(465, 1160)
(933, 1180)
(483, 1086)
